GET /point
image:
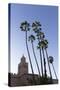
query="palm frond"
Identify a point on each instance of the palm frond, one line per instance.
(38, 23)
(33, 24)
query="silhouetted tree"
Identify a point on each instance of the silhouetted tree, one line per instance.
(32, 38)
(25, 27)
(51, 61)
(45, 47)
(42, 45)
(37, 29)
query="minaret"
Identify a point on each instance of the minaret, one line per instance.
(23, 66)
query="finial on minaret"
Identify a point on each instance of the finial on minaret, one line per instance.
(23, 59)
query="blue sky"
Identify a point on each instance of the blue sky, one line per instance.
(48, 16)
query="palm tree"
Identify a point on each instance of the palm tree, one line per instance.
(25, 27)
(51, 61)
(32, 38)
(41, 44)
(37, 28)
(46, 46)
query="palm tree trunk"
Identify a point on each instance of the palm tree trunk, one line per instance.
(35, 57)
(41, 62)
(30, 59)
(41, 59)
(48, 64)
(44, 62)
(54, 71)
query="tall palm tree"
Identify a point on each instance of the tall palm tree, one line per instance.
(40, 36)
(37, 28)
(51, 61)
(25, 27)
(46, 46)
(32, 38)
(42, 45)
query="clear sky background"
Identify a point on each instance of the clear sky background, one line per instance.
(48, 16)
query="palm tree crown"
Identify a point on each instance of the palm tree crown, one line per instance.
(43, 44)
(32, 38)
(25, 26)
(40, 34)
(51, 59)
(36, 26)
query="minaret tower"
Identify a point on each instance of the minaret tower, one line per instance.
(23, 66)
